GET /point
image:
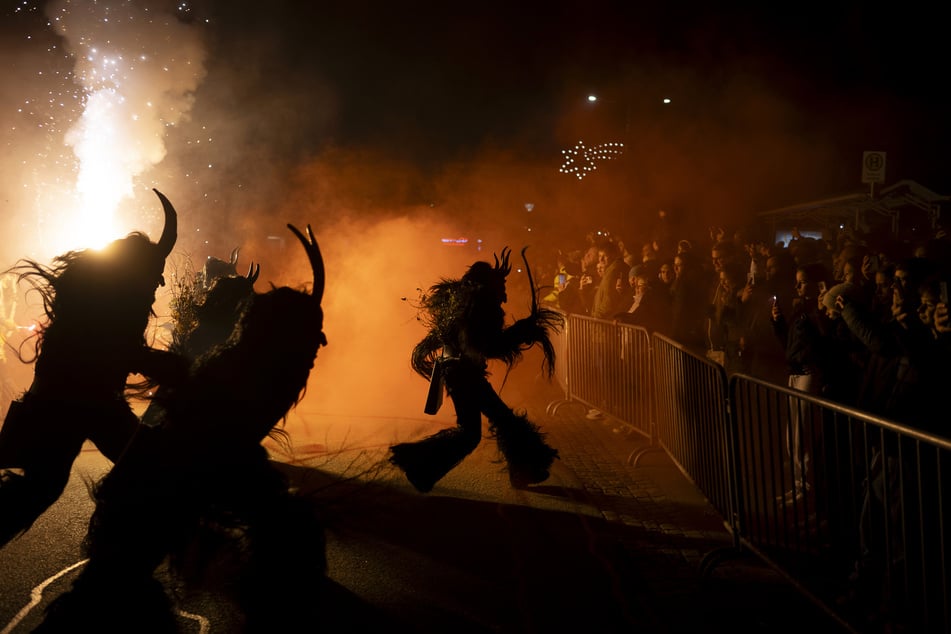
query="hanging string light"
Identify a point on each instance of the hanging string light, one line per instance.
(582, 160)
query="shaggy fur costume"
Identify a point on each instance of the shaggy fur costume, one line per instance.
(466, 329)
(98, 304)
(198, 487)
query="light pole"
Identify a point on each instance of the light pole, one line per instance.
(594, 99)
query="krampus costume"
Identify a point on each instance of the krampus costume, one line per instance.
(198, 491)
(204, 309)
(467, 328)
(98, 304)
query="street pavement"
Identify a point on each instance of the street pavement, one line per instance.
(602, 546)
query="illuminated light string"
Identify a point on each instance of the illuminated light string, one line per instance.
(582, 160)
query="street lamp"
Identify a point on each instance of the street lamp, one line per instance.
(582, 159)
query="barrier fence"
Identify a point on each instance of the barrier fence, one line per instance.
(611, 371)
(852, 509)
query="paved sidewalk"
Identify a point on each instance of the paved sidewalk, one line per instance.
(666, 527)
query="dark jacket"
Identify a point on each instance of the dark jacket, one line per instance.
(906, 373)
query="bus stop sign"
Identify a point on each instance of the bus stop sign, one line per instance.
(873, 167)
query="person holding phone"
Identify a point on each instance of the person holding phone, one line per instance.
(808, 367)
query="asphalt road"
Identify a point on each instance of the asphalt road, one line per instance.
(599, 547)
(474, 555)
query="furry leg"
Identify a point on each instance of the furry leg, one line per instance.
(521, 443)
(426, 461)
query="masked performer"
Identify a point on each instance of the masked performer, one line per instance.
(466, 329)
(98, 304)
(197, 484)
(204, 309)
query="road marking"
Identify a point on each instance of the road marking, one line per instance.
(204, 625)
(36, 594)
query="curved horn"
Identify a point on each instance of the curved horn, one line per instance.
(170, 232)
(234, 255)
(531, 282)
(503, 266)
(316, 261)
(253, 272)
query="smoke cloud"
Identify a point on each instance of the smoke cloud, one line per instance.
(411, 151)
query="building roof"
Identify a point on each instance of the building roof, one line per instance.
(900, 206)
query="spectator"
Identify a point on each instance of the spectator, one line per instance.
(726, 326)
(845, 354)
(686, 322)
(905, 380)
(648, 306)
(628, 294)
(900, 355)
(606, 297)
(801, 336)
(881, 303)
(766, 356)
(665, 276)
(588, 279)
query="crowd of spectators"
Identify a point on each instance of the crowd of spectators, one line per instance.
(865, 318)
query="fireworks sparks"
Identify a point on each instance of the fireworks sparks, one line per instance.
(581, 160)
(110, 80)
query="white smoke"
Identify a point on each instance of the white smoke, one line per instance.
(137, 66)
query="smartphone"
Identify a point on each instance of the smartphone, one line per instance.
(944, 292)
(562, 279)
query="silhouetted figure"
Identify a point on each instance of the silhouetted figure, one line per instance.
(97, 304)
(215, 315)
(467, 328)
(216, 268)
(205, 310)
(201, 477)
(207, 316)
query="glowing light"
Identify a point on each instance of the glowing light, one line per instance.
(455, 242)
(118, 77)
(581, 160)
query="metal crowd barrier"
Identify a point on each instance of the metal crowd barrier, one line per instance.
(607, 367)
(559, 341)
(854, 510)
(692, 420)
(856, 513)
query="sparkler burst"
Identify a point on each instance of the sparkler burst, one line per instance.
(118, 76)
(581, 160)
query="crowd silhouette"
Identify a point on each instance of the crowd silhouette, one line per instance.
(854, 320)
(860, 319)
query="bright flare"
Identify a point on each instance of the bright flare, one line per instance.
(137, 70)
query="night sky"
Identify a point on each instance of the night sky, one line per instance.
(373, 107)
(431, 82)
